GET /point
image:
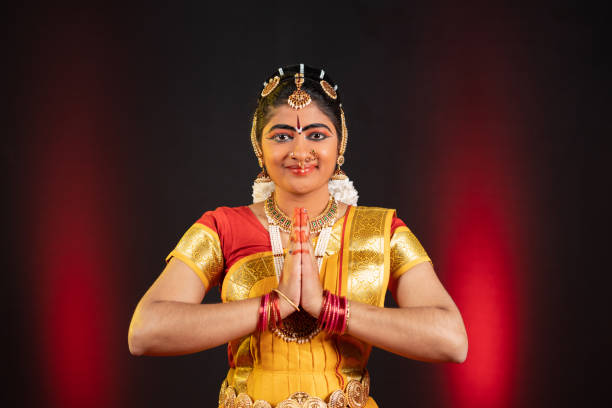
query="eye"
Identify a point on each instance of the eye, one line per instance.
(317, 136)
(281, 137)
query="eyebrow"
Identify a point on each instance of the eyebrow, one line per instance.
(287, 127)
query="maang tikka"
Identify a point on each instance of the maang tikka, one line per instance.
(299, 98)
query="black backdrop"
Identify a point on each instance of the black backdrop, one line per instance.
(131, 120)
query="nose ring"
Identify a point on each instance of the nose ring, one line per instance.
(292, 155)
(312, 156)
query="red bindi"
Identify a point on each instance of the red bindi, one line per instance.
(299, 128)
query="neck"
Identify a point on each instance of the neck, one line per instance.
(314, 202)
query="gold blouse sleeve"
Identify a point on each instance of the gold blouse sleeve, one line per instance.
(406, 251)
(200, 249)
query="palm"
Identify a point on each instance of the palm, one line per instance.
(312, 290)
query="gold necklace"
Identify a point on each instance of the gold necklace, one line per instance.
(326, 218)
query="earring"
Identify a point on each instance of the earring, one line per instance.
(339, 174)
(263, 185)
(263, 176)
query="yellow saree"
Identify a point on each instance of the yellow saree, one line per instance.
(363, 254)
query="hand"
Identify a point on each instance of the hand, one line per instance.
(312, 291)
(290, 280)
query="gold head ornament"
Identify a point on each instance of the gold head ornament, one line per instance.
(299, 98)
(328, 89)
(270, 86)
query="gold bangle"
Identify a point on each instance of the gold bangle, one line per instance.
(296, 307)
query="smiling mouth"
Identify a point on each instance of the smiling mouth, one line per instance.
(302, 171)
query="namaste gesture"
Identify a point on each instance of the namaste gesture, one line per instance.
(300, 277)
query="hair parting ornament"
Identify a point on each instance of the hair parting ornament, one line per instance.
(340, 186)
(299, 98)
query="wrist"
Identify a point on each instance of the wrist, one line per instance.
(315, 306)
(285, 308)
(286, 305)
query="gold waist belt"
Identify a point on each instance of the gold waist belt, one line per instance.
(354, 395)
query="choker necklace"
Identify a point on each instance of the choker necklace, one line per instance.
(325, 219)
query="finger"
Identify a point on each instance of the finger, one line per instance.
(304, 227)
(307, 250)
(293, 258)
(298, 236)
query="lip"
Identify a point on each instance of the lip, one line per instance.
(298, 171)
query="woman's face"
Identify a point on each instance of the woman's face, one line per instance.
(300, 148)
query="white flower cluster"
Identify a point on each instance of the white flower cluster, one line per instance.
(342, 190)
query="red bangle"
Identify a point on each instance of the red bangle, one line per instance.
(321, 320)
(334, 315)
(328, 312)
(277, 322)
(344, 315)
(338, 327)
(266, 305)
(338, 322)
(260, 314)
(342, 319)
(271, 312)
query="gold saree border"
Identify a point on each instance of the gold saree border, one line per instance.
(406, 252)
(200, 249)
(366, 254)
(253, 268)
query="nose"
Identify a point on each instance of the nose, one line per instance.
(300, 149)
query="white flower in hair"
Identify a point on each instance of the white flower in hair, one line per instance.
(261, 191)
(343, 191)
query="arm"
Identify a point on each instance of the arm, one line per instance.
(170, 319)
(427, 326)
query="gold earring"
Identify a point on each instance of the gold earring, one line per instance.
(262, 177)
(339, 174)
(256, 148)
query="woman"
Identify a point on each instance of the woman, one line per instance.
(303, 298)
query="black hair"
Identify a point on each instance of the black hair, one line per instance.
(312, 85)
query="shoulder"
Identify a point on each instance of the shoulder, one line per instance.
(223, 215)
(224, 220)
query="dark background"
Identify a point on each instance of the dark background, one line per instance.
(483, 125)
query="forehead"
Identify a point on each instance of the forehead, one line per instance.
(287, 115)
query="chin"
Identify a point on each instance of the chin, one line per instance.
(301, 186)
